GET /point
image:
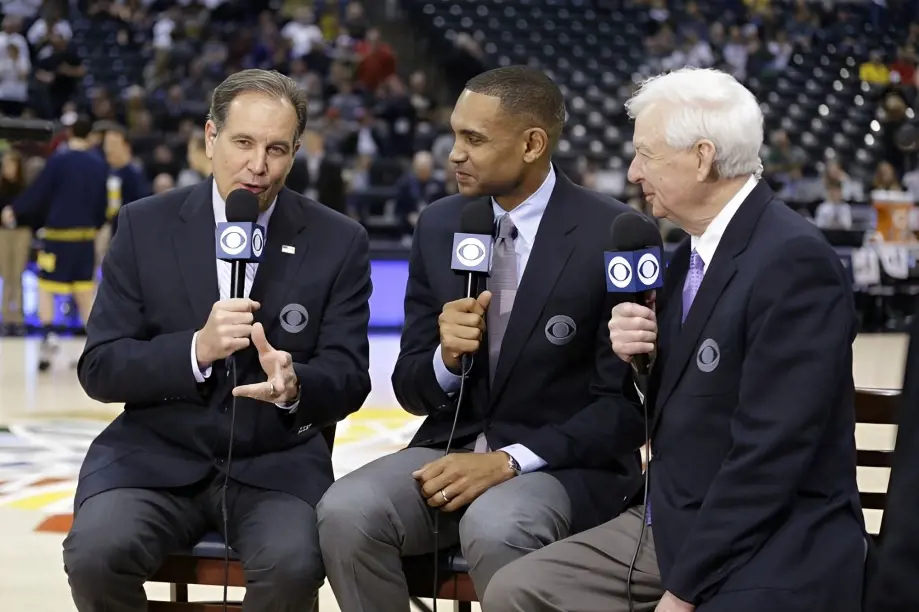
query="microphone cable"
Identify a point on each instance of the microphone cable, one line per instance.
(642, 384)
(467, 362)
(231, 362)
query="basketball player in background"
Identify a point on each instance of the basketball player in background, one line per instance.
(69, 198)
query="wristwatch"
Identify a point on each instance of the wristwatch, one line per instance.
(513, 465)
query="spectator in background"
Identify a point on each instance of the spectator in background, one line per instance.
(163, 183)
(14, 81)
(58, 74)
(784, 162)
(852, 190)
(885, 178)
(834, 212)
(397, 111)
(14, 247)
(126, 182)
(317, 174)
(417, 188)
(874, 71)
(377, 61)
(905, 65)
(303, 33)
(199, 166)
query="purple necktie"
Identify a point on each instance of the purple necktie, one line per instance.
(693, 281)
(690, 289)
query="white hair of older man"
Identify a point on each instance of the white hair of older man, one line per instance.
(707, 104)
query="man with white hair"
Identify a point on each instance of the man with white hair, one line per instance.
(752, 502)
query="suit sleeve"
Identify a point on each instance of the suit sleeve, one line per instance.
(800, 323)
(607, 429)
(893, 587)
(122, 360)
(336, 381)
(414, 380)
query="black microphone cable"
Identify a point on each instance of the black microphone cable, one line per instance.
(237, 287)
(642, 383)
(231, 362)
(467, 362)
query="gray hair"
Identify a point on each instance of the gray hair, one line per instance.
(269, 82)
(707, 103)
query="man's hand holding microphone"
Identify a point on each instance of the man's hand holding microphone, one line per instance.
(632, 330)
(228, 329)
(462, 327)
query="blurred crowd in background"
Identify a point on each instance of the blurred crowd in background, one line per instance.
(838, 81)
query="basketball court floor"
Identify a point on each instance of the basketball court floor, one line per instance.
(47, 422)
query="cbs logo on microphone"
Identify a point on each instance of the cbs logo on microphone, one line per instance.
(471, 253)
(241, 241)
(633, 271)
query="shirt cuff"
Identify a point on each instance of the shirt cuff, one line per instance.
(447, 380)
(200, 376)
(526, 459)
(291, 407)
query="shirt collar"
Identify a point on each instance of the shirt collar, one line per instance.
(220, 208)
(528, 214)
(706, 244)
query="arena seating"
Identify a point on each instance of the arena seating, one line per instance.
(595, 50)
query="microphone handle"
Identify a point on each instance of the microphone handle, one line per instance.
(471, 285)
(237, 279)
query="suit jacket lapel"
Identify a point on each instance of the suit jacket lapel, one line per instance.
(716, 279)
(195, 249)
(277, 270)
(551, 250)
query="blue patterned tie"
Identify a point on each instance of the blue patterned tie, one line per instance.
(693, 281)
(503, 286)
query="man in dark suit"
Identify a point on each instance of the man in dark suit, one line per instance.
(317, 173)
(158, 339)
(892, 583)
(753, 504)
(547, 439)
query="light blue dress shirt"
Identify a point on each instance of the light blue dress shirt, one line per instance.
(526, 218)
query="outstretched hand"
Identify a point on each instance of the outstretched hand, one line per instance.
(282, 386)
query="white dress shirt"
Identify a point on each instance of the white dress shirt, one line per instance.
(526, 218)
(706, 244)
(224, 271)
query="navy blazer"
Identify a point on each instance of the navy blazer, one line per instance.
(158, 286)
(753, 493)
(558, 388)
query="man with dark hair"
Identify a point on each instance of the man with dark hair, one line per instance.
(68, 198)
(159, 339)
(546, 439)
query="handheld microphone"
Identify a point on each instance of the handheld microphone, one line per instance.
(472, 245)
(634, 265)
(240, 240)
(472, 250)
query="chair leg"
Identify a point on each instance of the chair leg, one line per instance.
(178, 593)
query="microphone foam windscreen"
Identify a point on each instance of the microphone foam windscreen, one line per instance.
(632, 231)
(478, 218)
(242, 206)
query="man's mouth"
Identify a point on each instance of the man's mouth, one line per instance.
(253, 187)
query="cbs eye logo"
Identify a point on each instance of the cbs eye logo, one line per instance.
(648, 269)
(470, 252)
(233, 240)
(258, 242)
(619, 272)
